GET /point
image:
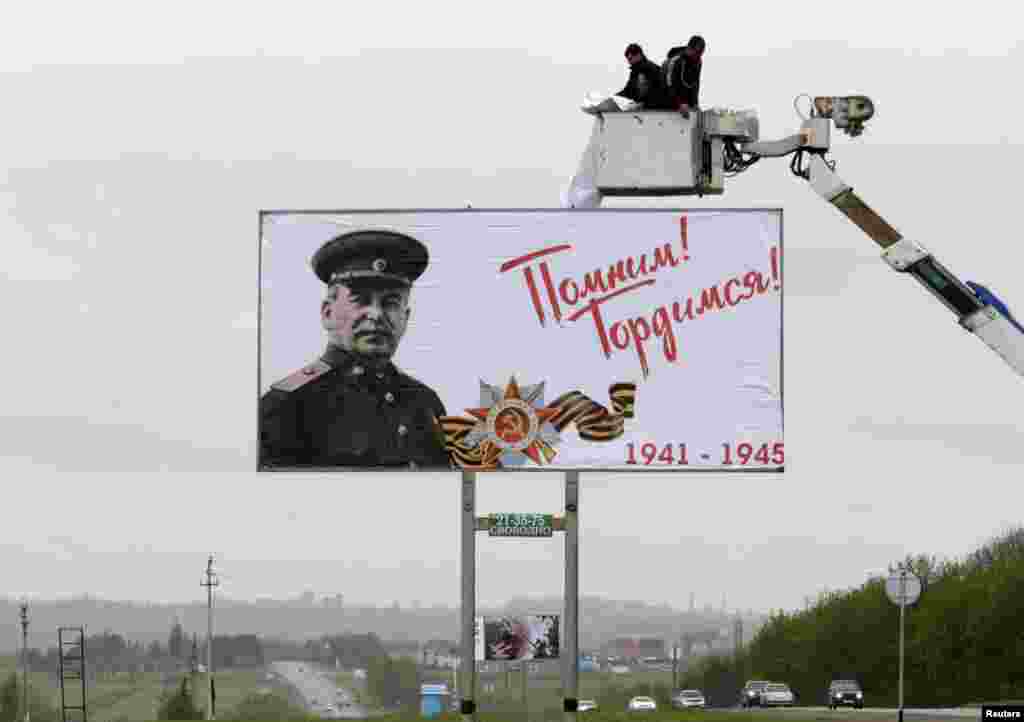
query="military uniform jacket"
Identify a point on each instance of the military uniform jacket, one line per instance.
(340, 412)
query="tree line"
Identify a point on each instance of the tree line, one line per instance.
(964, 637)
(109, 652)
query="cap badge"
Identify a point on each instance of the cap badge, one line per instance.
(379, 265)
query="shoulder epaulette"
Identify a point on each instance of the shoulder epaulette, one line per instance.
(302, 377)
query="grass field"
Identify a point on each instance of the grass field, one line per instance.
(133, 697)
(548, 684)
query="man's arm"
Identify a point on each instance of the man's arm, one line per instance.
(693, 92)
(281, 442)
(629, 91)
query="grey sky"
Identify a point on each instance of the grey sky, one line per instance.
(134, 166)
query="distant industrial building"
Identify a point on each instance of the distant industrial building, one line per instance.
(635, 648)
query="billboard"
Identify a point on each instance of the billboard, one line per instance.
(520, 637)
(521, 340)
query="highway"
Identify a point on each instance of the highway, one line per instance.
(319, 691)
(868, 713)
(911, 712)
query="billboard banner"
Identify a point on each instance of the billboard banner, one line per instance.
(606, 339)
(522, 637)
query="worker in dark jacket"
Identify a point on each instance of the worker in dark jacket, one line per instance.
(646, 84)
(683, 75)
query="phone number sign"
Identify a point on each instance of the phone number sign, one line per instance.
(521, 525)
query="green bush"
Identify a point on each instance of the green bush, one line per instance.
(265, 707)
(390, 680)
(180, 704)
(12, 703)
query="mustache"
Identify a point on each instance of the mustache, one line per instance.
(374, 331)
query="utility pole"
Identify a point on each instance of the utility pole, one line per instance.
(24, 656)
(209, 583)
(903, 605)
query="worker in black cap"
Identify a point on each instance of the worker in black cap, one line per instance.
(352, 407)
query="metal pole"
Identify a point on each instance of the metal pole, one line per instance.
(525, 686)
(60, 662)
(903, 599)
(572, 595)
(468, 509)
(82, 677)
(209, 640)
(209, 584)
(24, 655)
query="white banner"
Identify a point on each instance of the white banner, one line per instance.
(559, 339)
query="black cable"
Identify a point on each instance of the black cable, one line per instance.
(734, 161)
(796, 165)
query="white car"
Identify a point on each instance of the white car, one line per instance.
(638, 704)
(777, 695)
(586, 705)
(689, 698)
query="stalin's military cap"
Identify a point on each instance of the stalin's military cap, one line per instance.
(371, 255)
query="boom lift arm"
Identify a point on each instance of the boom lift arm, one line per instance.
(976, 308)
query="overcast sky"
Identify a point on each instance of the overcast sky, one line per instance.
(139, 142)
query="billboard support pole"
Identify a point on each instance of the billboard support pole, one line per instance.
(467, 508)
(524, 681)
(572, 597)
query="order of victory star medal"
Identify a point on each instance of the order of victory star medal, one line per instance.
(512, 422)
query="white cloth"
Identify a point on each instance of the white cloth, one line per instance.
(582, 190)
(595, 104)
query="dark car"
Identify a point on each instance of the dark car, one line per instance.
(750, 695)
(844, 692)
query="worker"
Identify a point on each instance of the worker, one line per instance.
(682, 75)
(646, 84)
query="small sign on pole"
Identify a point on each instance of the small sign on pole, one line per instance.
(902, 589)
(521, 525)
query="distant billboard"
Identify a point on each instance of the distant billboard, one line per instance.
(520, 637)
(605, 339)
(636, 647)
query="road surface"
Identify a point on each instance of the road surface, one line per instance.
(319, 691)
(868, 713)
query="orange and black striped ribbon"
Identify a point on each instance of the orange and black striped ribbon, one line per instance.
(593, 423)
